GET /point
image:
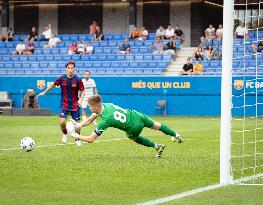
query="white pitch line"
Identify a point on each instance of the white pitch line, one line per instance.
(54, 145)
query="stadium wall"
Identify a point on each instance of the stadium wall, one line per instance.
(186, 96)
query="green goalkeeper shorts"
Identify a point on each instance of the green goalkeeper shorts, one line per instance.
(143, 121)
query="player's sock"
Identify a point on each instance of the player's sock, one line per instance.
(166, 130)
(144, 141)
(65, 132)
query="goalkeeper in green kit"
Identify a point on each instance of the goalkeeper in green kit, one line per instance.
(130, 121)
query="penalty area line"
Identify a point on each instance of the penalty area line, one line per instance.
(55, 145)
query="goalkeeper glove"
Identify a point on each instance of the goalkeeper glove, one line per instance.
(77, 125)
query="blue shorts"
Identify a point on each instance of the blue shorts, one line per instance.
(74, 114)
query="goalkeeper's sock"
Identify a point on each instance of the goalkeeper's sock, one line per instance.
(145, 141)
(166, 130)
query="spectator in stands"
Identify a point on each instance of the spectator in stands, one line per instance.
(169, 32)
(198, 67)
(171, 47)
(8, 37)
(144, 34)
(20, 48)
(81, 48)
(241, 31)
(46, 34)
(135, 34)
(217, 53)
(158, 45)
(125, 48)
(198, 54)
(258, 48)
(53, 41)
(98, 36)
(72, 49)
(29, 50)
(33, 34)
(178, 33)
(187, 68)
(204, 43)
(209, 53)
(210, 32)
(160, 32)
(219, 31)
(94, 27)
(30, 99)
(89, 48)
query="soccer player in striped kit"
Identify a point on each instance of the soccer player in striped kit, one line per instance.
(90, 90)
(70, 85)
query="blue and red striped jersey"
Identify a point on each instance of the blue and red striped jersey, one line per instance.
(69, 91)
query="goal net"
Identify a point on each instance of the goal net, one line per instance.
(247, 94)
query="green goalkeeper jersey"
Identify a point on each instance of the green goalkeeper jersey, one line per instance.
(130, 121)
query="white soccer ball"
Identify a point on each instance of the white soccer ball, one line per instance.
(27, 144)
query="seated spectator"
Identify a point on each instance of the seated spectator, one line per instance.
(187, 68)
(98, 36)
(219, 31)
(29, 50)
(53, 41)
(72, 49)
(158, 45)
(258, 48)
(20, 48)
(30, 99)
(178, 33)
(8, 37)
(171, 47)
(204, 43)
(89, 48)
(160, 32)
(198, 54)
(144, 34)
(46, 34)
(125, 48)
(209, 53)
(241, 31)
(210, 32)
(169, 32)
(135, 34)
(198, 67)
(217, 53)
(81, 48)
(33, 34)
(94, 27)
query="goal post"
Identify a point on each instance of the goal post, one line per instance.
(226, 93)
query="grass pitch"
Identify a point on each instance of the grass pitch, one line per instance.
(113, 171)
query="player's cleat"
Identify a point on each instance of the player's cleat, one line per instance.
(177, 138)
(64, 139)
(78, 143)
(160, 148)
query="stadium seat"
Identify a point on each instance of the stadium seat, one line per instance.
(106, 65)
(52, 65)
(93, 57)
(75, 57)
(116, 37)
(73, 38)
(144, 50)
(214, 64)
(111, 57)
(79, 64)
(65, 37)
(55, 51)
(82, 37)
(129, 57)
(49, 57)
(135, 50)
(138, 43)
(152, 65)
(103, 43)
(32, 58)
(107, 50)
(158, 57)
(167, 57)
(2, 45)
(115, 64)
(58, 58)
(148, 43)
(97, 65)
(14, 58)
(40, 58)
(8, 65)
(88, 65)
(98, 50)
(35, 65)
(125, 35)
(16, 65)
(120, 57)
(84, 57)
(23, 58)
(46, 51)
(138, 57)
(102, 57)
(26, 65)
(4, 51)
(38, 51)
(124, 64)
(162, 65)
(66, 57)
(148, 57)
(112, 43)
(134, 65)
(143, 64)
(63, 51)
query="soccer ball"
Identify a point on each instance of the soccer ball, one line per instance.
(27, 144)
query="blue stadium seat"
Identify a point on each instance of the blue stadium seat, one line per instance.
(138, 57)
(49, 57)
(35, 65)
(143, 64)
(61, 65)
(23, 58)
(55, 51)
(75, 57)
(32, 58)
(96, 64)
(66, 57)
(84, 57)
(114, 50)
(162, 65)
(2, 45)
(22, 37)
(9, 65)
(120, 57)
(9, 45)
(205, 64)
(215, 64)
(60, 45)
(108, 37)
(158, 57)
(106, 65)
(38, 51)
(82, 37)
(26, 65)
(40, 58)
(103, 43)
(115, 64)
(58, 58)
(107, 50)
(148, 43)
(65, 37)
(151, 36)
(135, 50)
(167, 57)
(88, 65)
(73, 38)
(144, 50)
(93, 57)
(14, 58)
(98, 50)
(237, 41)
(134, 64)
(129, 57)
(112, 43)
(67, 44)
(111, 57)
(116, 37)
(125, 35)
(79, 64)
(4, 51)
(17, 65)
(138, 43)
(16, 38)
(46, 51)
(63, 51)
(148, 57)
(102, 57)
(124, 64)
(152, 64)
(52, 65)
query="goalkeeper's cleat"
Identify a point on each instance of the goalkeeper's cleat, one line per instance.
(177, 138)
(160, 148)
(64, 139)
(78, 142)
(70, 127)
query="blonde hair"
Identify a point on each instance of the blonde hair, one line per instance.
(94, 100)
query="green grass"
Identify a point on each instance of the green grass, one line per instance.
(113, 172)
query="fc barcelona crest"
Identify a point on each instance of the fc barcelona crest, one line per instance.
(238, 84)
(41, 84)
